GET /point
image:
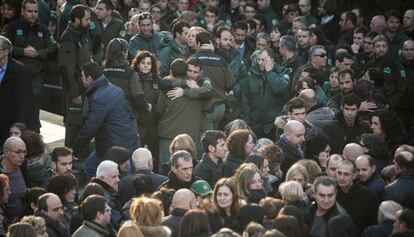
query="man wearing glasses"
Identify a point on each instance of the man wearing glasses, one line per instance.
(14, 150)
(96, 217)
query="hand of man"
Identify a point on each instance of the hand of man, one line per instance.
(77, 100)
(269, 64)
(192, 84)
(30, 52)
(367, 106)
(175, 93)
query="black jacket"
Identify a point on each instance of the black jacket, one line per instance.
(395, 79)
(174, 183)
(340, 134)
(291, 154)
(173, 221)
(125, 190)
(401, 190)
(381, 230)
(230, 165)
(15, 99)
(207, 170)
(360, 204)
(336, 210)
(375, 184)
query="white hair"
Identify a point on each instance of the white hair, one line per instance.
(142, 158)
(104, 167)
(11, 141)
(389, 209)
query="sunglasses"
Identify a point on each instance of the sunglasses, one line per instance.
(322, 55)
(145, 16)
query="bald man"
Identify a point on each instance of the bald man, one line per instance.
(367, 175)
(291, 142)
(142, 161)
(408, 23)
(401, 190)
(351, 151)
(183, 200)
(377, 24)
(316, 113)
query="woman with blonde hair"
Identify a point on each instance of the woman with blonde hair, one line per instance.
(38, 223)
(184, 142)
(298, 173)
(129, 229)
(249, 182)
(147, 213)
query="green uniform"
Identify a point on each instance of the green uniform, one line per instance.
(264, 99)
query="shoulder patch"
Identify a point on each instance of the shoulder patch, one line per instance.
(330, 63)
(40, 34)
(206, 82)
(19, 32)
(402, 73)
(92, 25)
(387, 70)
(286, 76)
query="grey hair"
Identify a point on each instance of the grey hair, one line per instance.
(104, 167)
(181, 154)
(261, 142)
(6, 43)
(312, 50)
(264, 36)
(289, 42)
(389, 209)
(11, 140)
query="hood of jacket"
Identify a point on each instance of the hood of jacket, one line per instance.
(155, 231)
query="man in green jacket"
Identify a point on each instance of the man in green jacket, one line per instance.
(181, 110)
(264, 98)
(73, 52)
(174, 48)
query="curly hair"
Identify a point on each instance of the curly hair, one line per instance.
(37, 222)
(390, 124)
(34, 143)
(314, 146)
(377, 146)
(235, 143)
(141, 55)
(61, 185)
(274, 155)
(4, 182)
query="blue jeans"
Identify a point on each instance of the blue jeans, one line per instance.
(91, 164)
(213, 119)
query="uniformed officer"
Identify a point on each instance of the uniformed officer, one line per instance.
(31, 46)
(395, 79)
(111, 27)
(73, 52)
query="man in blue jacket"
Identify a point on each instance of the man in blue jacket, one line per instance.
(107, 117)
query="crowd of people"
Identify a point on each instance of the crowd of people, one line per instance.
(207, 118)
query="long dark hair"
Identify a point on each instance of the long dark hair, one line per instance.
(194, 222)
(114, 53)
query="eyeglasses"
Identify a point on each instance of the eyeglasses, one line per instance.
(145, 16)
(322, 55)
(19, 152)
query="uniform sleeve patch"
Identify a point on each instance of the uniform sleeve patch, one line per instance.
(19, 32)
(402, 73)
(387, 70)
(92, 25)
